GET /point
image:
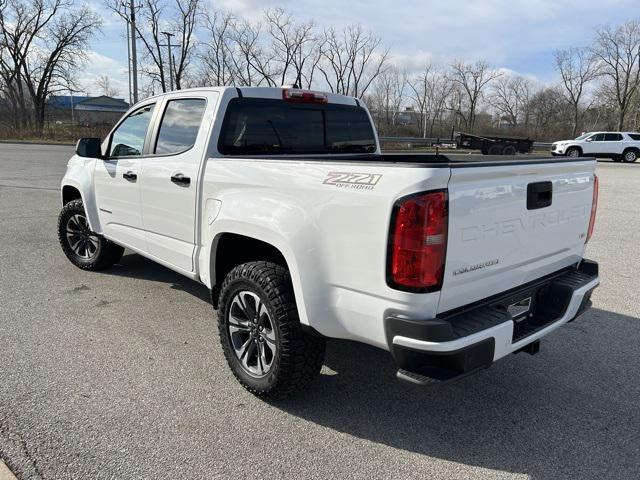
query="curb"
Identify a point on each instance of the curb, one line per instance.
(27, 142)
(5, 473)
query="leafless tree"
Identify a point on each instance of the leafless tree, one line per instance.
(577, 68)
(180, 18)
(219, 65)
(387, 95)
(510, 96)
(351, 60)
(430, 91)
(103, 82)
(292, 44)
(42, 43)
(548, 112)
(617, 50)
(471, 79)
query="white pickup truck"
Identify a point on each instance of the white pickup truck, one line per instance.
(281, 203)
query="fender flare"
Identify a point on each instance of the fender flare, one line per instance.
(260, 233)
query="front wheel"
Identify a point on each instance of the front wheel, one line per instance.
(573, 152)
(261, 335)
(630, 156)
(84, 248)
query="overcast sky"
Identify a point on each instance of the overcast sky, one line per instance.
(518, 35)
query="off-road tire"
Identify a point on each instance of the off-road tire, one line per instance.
(106, 254)
(299, 355)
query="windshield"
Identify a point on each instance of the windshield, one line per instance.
(584, 135)
(255, 126)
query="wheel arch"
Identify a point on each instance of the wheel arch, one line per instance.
(230, 248)
(72, 190)
(575, 147)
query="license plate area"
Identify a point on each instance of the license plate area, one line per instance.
(527, 311)
(520, 309)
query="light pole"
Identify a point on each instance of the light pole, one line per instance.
(134, 57)
(169, 35)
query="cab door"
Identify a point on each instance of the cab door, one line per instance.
(169, 177)
(595, 145)
(116, 179)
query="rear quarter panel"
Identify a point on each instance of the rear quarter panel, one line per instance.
(332, 231)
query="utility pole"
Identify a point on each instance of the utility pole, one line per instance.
(169, 35)
(134, 57)
(129, 64)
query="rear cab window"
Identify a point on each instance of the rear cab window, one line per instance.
(257, 126)
(179, 125)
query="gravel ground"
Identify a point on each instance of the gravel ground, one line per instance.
(119, 374)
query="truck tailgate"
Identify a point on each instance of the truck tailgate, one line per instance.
(511, 224)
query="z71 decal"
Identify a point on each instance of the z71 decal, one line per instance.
(355, 181)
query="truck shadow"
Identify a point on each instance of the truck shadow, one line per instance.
(133, 265)
(569, 412)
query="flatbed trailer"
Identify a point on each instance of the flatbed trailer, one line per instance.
(494, 144)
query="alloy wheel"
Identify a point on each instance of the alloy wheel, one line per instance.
(82, 241)
(252, 333)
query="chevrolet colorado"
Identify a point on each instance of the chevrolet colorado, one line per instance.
(281, 203)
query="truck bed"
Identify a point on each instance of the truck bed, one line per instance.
(439, 160)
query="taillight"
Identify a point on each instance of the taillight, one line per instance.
(303, 96)
(418, 242)
(594, 207)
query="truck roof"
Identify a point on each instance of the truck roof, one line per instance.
(261, 92)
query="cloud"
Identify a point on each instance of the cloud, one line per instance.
(99, 64)
(518, 34)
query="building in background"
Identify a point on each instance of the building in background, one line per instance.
(88, 111)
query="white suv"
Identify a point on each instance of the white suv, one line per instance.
(620, 146)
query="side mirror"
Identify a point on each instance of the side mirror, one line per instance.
(89, 148)
(589, 140)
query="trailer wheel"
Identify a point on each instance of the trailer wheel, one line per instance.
(509, 150)
(496, 149)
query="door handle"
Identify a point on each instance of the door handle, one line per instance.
(130, 176)
(180, 179)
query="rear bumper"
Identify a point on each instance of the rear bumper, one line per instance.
(472, 338)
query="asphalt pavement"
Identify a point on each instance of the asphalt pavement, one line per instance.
(119, 374)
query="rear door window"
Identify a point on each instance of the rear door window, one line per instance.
(255, 126)
(612, 137)
(180, 125)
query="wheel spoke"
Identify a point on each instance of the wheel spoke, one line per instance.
(248, 353)
(238, 324)
(260, 357)
(75, 246)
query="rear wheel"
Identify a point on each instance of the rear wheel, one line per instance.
(84, 248)
(573, 152)
(509, 150)
(630, 156)
(496, 149)
(261, 335)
